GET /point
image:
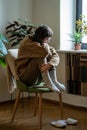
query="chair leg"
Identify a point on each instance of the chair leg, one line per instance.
(22, 100)
(15, 106)
(40, 110)
(35, 106)
(61, 105)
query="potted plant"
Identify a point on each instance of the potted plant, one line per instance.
(3, 50)
(79, 32)
(17, 30)
(76, 38)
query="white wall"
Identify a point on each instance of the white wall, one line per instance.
(48, 12)
(13, 10)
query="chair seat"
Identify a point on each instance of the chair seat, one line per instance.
(32, 89)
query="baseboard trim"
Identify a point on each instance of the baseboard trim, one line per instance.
(64, 104)
(47, 101)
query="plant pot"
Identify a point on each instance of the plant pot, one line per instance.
(77, 46)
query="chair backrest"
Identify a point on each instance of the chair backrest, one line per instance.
(13, 81)
(10, 58)
(12, 75)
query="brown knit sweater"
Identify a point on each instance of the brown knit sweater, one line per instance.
(29, 49)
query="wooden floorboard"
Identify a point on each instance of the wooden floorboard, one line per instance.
(25, 120)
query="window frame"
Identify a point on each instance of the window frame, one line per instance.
(78, 8)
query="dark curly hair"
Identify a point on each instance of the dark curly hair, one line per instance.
(42, 32)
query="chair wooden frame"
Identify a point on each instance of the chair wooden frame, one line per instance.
(40, 93)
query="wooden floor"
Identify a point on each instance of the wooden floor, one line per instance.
(24, 119)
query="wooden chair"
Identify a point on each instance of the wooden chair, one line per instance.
(22, 87)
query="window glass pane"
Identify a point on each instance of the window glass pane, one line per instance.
(84, 8)
(84, 12)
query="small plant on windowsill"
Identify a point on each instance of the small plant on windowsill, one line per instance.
(79, 32)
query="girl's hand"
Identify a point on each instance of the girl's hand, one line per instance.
(45, 67)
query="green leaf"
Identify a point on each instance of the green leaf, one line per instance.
(3, 63)
(3, 38)
(3, 49)
(1, 54)
(76, 37)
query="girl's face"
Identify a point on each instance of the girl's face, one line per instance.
(46, 40)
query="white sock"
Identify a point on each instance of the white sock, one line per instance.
(48, 82)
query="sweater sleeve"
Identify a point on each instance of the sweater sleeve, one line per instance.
(55, 59)
(31, 50)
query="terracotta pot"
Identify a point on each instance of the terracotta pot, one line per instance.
(77, 46)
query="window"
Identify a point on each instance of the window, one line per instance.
(84, 8)
(81, 8)
(84, 12)
(78, 8)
